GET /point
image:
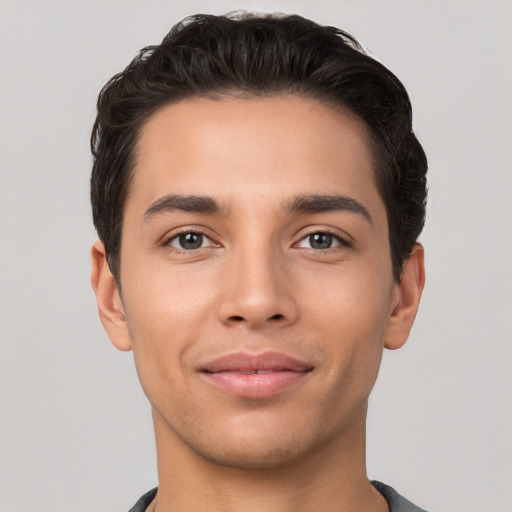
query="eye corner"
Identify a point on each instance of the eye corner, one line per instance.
(188, 241)
(322, 240)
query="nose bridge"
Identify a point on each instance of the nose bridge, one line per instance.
(255, 288)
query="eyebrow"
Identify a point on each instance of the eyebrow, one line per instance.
(299, 204)
(192, 204)
(327, 203)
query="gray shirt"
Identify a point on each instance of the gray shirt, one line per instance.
(396, 502)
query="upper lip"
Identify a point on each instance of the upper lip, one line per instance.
(248, 363)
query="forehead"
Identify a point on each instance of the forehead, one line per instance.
(261, 149)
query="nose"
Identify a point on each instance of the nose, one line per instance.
(257, 291)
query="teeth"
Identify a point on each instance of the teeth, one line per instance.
(264, 371)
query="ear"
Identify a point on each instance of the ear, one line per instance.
(407, 299)
(110, 305)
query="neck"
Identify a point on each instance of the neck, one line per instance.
(331, 478)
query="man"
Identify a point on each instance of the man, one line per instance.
(258, 193)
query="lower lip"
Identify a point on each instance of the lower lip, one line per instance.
(254, 385)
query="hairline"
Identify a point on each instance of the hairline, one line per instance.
(338, 107)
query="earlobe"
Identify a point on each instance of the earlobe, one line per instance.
(408, 292)
(110, 305)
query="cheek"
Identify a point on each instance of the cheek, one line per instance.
(350, 318)
(164, 301)
(354, 300)
(164, 317)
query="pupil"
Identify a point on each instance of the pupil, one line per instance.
(191, 240)
(320, 241)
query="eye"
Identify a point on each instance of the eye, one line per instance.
(189, 241)
(320, 241)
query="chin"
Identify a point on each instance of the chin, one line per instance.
(250, 455)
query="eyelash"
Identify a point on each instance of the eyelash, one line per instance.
(176, 236)
(343, 242)
(337, 238)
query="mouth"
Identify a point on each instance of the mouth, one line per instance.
(255, 376)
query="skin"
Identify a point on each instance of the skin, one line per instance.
(256, 284)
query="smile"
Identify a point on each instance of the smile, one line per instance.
(255, 376)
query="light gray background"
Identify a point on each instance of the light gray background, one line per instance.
(75, 429)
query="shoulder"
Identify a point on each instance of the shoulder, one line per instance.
(396, 502)
(144, 501)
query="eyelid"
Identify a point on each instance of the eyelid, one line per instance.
(167, 239)
(343, 238)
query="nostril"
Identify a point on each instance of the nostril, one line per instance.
(238, 318)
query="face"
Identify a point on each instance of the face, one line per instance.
(257, 288)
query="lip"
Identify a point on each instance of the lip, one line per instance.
(255, 376)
